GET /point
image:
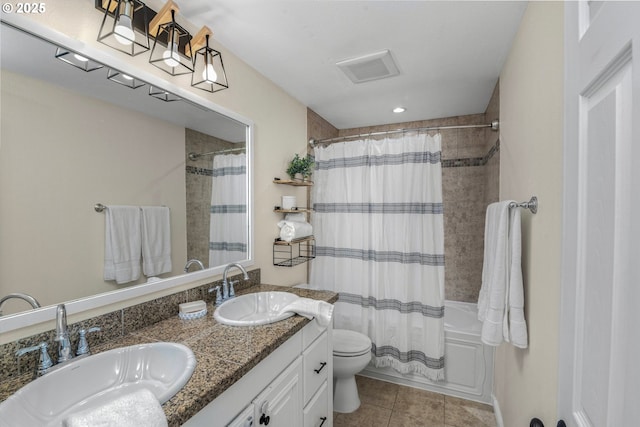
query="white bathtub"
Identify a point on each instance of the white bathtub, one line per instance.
(468, 362)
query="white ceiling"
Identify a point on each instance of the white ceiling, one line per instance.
(449, 53)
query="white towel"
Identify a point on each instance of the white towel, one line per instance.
(311, 308)
(156, 240)
(297, 217)
(290, 230)
(122, 244)
(501, 299)
(140, 408)
(516, 333)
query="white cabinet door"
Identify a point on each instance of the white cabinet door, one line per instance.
(245, 419)
(280, 404)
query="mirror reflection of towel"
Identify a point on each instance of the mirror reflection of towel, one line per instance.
(156, 240)
(123, 242)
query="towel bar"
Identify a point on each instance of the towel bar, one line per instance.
(532, 205)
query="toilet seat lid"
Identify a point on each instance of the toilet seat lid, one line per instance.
(350, 343)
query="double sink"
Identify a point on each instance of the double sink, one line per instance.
(162, 367)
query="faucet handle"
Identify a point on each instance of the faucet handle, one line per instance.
(45, 361)
(218, 294)
(232, 292)
(83, 345)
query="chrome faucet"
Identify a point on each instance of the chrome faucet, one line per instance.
(193, 261)
(62, 335)
(227, 288)
(65, 354)
(28, 298)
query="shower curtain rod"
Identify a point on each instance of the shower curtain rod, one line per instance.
(494, 125)
(196, 156)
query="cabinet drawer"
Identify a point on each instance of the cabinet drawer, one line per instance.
(316, 413)
(316, 365)
(311, 332)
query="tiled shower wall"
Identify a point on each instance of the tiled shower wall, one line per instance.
(198, 191)
(470, 179)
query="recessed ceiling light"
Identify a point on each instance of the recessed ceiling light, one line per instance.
(399, 110)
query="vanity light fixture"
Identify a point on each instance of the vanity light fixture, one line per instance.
(77, 60)
(125, 26)
(171, 50)
(124, 79)
(163, 94)
(208, 69)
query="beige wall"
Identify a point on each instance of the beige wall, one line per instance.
(280, 121)
(531, 105)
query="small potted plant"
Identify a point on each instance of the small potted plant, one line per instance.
(300, 167)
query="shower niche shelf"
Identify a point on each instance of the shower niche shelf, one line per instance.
(295, 252)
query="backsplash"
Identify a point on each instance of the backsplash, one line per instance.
(113, 325)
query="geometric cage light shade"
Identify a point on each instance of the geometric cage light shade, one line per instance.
(78, 61)
(124, 79)
(125, 26)
(208, 72)
(171, 50)
(163, 94)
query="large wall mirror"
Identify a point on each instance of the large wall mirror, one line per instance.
(71, 139)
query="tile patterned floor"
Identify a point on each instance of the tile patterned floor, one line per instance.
(391, 405)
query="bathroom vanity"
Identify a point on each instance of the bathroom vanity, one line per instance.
(290, 387)
(280, 370)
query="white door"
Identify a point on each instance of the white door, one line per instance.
(599, 362)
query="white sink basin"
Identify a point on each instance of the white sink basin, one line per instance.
(259, 308)
(163, 368)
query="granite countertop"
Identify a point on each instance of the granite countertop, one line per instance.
(223, 353)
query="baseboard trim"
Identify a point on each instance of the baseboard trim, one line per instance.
(496, 411)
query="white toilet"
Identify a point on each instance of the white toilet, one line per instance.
(351, 354)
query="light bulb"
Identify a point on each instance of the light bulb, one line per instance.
(171, 57)
(123, 32)
(126, 77)
(80, 57)
(209, 74)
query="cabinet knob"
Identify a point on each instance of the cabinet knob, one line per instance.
(264, 419)
(322, 365)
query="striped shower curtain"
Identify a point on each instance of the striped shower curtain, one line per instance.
(228, 226)
(379, 232)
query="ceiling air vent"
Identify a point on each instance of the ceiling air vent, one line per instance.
(369, 67)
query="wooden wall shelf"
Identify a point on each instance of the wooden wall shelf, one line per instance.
(294, 183)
